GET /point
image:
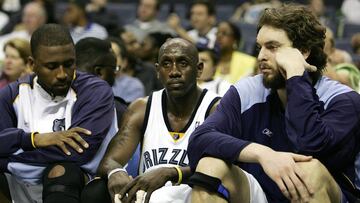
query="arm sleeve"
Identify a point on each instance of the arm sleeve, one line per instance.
(11, 138)
(94, 111)
(220, 135)
(326, 133)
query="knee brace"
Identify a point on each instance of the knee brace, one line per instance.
(209, 183)
(68, 186)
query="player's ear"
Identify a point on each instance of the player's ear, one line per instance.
(31, 63)
(97, 71)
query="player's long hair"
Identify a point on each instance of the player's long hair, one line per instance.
(303, 29)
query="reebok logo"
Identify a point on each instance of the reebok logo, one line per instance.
(267, 132)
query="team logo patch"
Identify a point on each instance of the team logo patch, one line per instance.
(176, 135)
(59, 125)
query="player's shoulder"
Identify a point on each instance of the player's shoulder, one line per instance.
(139, 104)
(85, 82)
(11, 91)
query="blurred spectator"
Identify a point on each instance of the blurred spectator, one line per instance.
(151, 45)
(335, 56)
(17, 14)
(98, 13)
(348, 74)
(318, 9)
(327, 15)
(233, 64)
(250, 11)
(13, 9)
(126, 87)
(80, 25)
(350, 9)
(15, 66)
(146, 21)
(145, 72)
(132, 44)
(34, 15)
(206, 80)
(202, 19)
(49, 6)
(96, 5)
(355, 43)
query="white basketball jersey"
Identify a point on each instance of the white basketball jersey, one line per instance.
(161, 147)
(37, 111)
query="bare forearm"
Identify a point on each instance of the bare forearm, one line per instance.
(124, 144)
(116, 156)
(119, 152)
(106, 165)
(253, 153)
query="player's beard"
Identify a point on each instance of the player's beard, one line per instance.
(274, 81)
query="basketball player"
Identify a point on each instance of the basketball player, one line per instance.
(294, 130)
(162, 124)
(54, 124)
(96, 57)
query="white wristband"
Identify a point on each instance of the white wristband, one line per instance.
(115, 171)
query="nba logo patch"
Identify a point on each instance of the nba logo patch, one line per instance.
(59, 125)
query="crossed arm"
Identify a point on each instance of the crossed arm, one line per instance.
(91, 121)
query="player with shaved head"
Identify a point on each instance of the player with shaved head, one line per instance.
(161, 123)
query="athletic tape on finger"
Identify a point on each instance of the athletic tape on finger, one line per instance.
(140, 196)
(117, 199)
